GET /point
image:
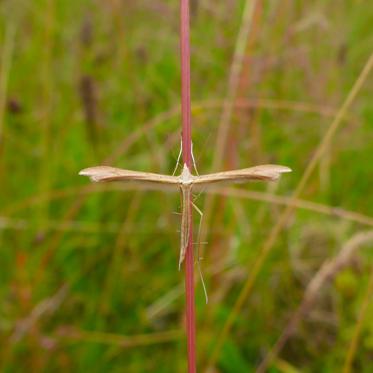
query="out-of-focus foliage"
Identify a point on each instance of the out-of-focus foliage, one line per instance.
(88, 276)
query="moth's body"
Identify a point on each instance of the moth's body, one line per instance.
(186, 193)
(185, 181)
(186, 178)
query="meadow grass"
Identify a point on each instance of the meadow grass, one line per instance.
(89, 277)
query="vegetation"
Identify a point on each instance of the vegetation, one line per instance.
(89, 276)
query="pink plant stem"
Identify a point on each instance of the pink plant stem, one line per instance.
(187, 159)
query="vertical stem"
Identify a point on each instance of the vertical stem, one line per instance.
(187, 147)
(185, 81)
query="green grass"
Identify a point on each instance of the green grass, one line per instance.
(118, 250)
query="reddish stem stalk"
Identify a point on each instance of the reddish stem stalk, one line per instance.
(187, 159)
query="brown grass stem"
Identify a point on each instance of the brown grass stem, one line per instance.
(187, 160)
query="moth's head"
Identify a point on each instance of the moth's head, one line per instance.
(186, 177)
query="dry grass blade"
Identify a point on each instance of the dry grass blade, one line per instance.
(325, 274)
(46, 306)
(336, 211)
(7, 223)
(77, 226)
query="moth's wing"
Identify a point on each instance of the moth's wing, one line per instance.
(105, 173)
(266, 172)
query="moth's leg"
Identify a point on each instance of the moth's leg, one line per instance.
(194, 161)
(178, 158)
(196, 196)
(198, 251)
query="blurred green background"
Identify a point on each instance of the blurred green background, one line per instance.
(89, 275)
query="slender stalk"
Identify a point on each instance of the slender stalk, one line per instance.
(187, 157)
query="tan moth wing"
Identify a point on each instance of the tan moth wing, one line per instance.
(106, 173)
(266, 172)
(186, 182)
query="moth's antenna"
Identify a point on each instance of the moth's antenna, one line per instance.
(194, 161)
(178, 157)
